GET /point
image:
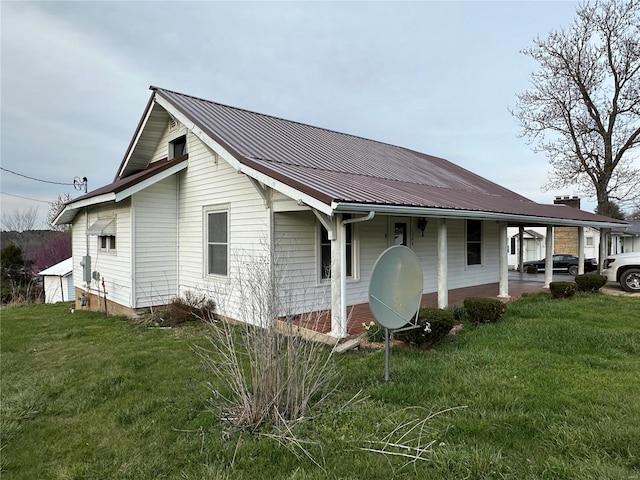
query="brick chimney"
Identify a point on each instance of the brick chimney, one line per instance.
(566, 238)
(573, 202)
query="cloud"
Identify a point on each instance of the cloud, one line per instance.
(433, 76)
(64, 103)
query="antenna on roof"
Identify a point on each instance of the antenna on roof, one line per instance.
(79, 184)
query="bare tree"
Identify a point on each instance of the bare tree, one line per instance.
(55, 208)
(20, 220)
(583, 107)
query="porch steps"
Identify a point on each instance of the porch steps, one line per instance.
(348, 344)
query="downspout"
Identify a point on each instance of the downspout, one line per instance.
(343, 269)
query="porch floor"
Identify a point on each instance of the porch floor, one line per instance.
(361, 313)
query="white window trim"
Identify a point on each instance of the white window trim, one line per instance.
(355, 255)
(171, 152)
(205, 238)
(108, 248)
(483, 255)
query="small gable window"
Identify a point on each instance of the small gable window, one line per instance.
(177, 147)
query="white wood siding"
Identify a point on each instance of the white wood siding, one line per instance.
(210, 181)
(114, 267)
(155, 243)
(296, 247)
(460, 275)
(162, 150)
(300, 290)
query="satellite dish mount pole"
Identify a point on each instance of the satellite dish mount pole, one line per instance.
(387, 348)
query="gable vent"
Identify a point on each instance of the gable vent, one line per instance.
(173, 124)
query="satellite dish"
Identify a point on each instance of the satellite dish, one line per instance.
(395, 288)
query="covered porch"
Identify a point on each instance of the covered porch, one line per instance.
(519, 283)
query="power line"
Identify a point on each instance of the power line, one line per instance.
(36, 179)
(25, 198)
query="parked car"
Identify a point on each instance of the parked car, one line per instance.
(563, 262)
(624, 268)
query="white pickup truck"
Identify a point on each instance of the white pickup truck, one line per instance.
(624, 268)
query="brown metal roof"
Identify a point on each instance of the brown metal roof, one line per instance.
(332, 167)
(122, 184)
(316, 157)
(336, 167)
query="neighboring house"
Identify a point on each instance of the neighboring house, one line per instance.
(626, 239)
(58, 282)
(533, 246)
(206, 191)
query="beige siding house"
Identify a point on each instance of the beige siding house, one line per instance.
(206, 191)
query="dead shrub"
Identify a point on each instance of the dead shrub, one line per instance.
(190, 307)
(265, 372)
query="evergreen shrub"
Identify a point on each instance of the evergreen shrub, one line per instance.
(563, 289)
(484, 310)
(590, 282)
(434, 324)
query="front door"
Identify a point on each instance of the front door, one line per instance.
(399, 232)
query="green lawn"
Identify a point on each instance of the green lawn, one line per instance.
(552, 391)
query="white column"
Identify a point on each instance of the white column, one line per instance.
(580, 250)
(604, 251)
(338, 323)
(548, 264)
(503, 290)
(521, 250)
(443, 265)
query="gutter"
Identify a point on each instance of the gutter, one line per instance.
(339, 207)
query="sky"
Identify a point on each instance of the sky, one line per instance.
(436, 77)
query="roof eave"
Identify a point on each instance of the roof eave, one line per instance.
(451, 213)
(136, 136)
(69, 212)
(71, 209)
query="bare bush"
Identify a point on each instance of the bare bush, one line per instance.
(264, 372)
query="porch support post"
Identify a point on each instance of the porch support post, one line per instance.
(443, 264)
(604, 250)
(342, 228)
(521, 251)
(548, 259)
(503, 291)
(338, 323)
(580, 250)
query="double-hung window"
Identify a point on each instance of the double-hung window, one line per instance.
(474, 242)
(325, 251)
(217, 241)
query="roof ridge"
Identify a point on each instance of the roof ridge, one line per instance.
(154, 88)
